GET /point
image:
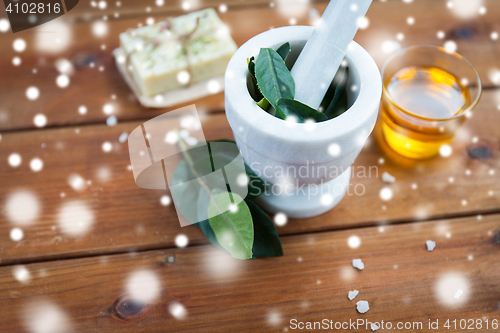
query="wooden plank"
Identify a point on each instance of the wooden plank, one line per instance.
(129, 218)
(60, 106)
(402, 282)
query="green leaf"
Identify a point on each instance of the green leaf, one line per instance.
(303, 112)
(250, 222)
(284, 50)
(279, 114)
(273, 77)
(261, 101)
(266, 241)
(221, 156)
(341, 107)
(332, 110)
(204, 225)
(187, 192)
(253, 89)
(233, 228)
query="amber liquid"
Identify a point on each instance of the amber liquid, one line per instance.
(417, 105)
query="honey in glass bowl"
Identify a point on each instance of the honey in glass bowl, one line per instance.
(424, 102)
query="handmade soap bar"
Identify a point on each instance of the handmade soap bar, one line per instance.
(177, 52)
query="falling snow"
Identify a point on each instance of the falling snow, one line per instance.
(75, 218)
(386, 194)
(144, 285)
(445, 150)
(4, 25)
(213, 86)
(19, 45)
(465, 9)
(450, 46)
(99, 29)
(21, 274)
(40, 120)
(16, 61)
(354, 242)
(165, 200)
(334, 149)
(177, 310)
(76, 182)
(82, 109)
(64, 66)
(62, 81)
(363, 22)
(280, 219)
(107, 146)
(14, 160)
(36, 164)
(390, 46)
(32, 93)
(181, 240)
(16, 234)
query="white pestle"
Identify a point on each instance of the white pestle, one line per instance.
(323, 53)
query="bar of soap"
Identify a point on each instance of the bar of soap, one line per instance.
(174, 53)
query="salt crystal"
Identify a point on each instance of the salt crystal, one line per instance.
(123, 137)
(459, 293)
(375, 327)
(352, 294)
(430, 245)
(357, 263)
(362, 306)
(388, 178)
(111, 121)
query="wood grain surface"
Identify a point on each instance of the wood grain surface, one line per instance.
(127, 217)
(402, 282)
(75, 40)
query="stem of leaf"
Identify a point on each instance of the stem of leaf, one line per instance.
(189, 160)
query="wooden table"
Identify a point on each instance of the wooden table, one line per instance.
(56, 278)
